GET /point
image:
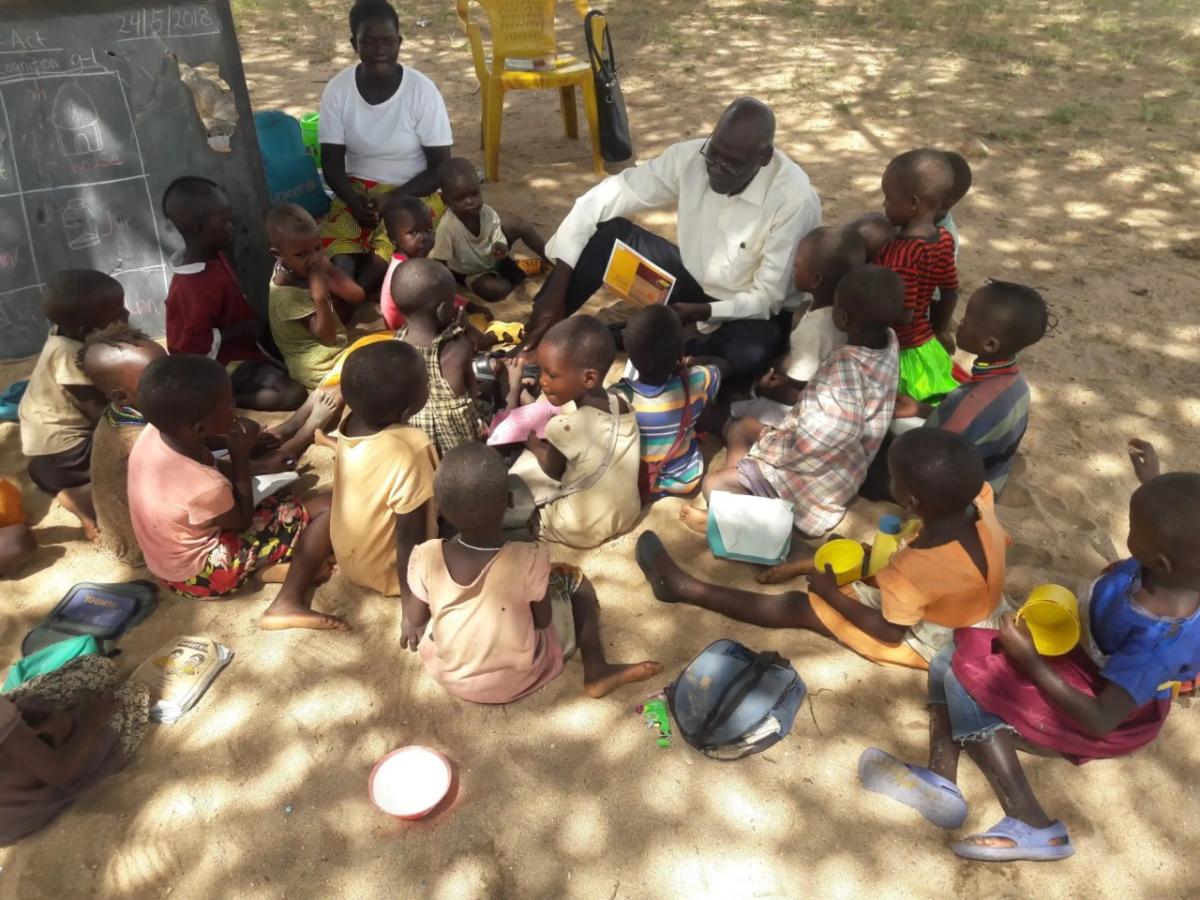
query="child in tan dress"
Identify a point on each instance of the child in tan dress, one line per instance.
(383, 474)
(587, 466)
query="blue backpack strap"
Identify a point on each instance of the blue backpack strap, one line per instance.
(745, 682)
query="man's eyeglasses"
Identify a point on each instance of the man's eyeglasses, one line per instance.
(724, 166)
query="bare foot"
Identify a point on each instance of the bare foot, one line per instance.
(324, 406)
(607, 678)
(695, 519)
(78, 502)
(290, 614)
(271, 463)
(786, 571)
(321, 439)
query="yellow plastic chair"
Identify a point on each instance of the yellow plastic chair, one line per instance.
(524, 29)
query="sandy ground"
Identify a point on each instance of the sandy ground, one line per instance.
(1080, 122)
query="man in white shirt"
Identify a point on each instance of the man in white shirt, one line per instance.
(742, 208)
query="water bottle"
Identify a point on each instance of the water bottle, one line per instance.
(887, 541)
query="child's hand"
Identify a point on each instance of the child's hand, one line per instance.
(535, 443)
(1144, 458)
(410, 635)
(512, 372)
(823, 583)
(946, 339)
(499, 250)
(266, 440)
(1018, 643)
(771, 381)
(692, 312)
(364, 210)
(906, 407)
(252, 428)
(240, 438)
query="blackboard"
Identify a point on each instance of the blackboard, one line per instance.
(95, 122)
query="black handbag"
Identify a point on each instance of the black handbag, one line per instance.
(616, 143)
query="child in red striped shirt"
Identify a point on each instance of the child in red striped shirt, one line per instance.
(916, 188)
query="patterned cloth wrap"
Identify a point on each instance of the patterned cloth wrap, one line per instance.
(341, 234)
(274, 530)
(67, 687)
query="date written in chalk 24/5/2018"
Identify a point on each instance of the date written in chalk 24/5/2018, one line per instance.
(168, 21)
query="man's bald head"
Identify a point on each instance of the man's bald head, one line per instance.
(741, 144)
(753, 116)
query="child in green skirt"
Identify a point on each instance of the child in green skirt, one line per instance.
(916, 188)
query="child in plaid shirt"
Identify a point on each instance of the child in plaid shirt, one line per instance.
(818, 456)
(424, 291)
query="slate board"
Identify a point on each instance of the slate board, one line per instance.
(95, 122)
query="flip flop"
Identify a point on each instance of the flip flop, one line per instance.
(506, 332)
(648, 544)
(1030, 843)
(936, 798)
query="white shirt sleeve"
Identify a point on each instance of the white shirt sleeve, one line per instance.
(652, 185)
(330, 129)
(432, 120)
(773, 280)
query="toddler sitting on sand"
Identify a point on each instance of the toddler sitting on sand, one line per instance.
(501, 618)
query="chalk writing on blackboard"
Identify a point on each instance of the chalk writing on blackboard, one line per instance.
(76, 121)
(78, 182)
(166, 22)
(93, 125)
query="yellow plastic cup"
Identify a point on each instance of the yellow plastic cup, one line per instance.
(846, 558)
(334, 378)
(1051, 613)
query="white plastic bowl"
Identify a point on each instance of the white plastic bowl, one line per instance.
(410, 782)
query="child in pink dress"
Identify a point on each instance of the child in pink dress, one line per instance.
(197, 524)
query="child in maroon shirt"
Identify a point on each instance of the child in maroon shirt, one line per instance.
(207, 313)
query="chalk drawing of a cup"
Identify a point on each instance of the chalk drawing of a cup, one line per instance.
(76, 121)
(80, 223)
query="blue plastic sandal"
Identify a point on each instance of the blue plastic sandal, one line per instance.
(1028, 843)
(936, 798)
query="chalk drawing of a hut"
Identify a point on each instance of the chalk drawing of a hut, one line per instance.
(76, 121)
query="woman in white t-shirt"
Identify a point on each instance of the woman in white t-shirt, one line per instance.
(384, 127)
